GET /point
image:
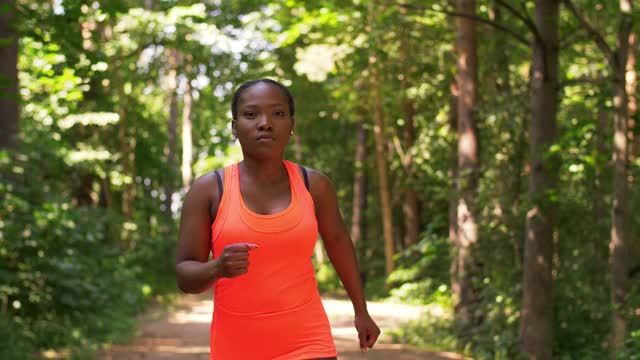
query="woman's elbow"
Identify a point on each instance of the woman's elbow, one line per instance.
(188, 288)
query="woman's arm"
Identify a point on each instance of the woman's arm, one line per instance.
(195, 273)
(342, 253)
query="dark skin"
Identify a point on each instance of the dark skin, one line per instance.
(263, 127)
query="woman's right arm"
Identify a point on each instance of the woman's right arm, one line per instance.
(195, 272)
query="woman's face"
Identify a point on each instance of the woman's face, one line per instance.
(263, 124)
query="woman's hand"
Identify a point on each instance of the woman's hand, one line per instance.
(234, 260)
(368, 331)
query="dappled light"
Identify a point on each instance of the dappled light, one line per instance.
(480, 158)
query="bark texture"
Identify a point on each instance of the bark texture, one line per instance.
(536, 322)
(468, 164)
(410, 204)
(381, 156)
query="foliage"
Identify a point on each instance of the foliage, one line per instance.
(95, 85)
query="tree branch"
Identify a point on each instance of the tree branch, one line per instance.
(595, 35)
(479, 19)
(528, 22)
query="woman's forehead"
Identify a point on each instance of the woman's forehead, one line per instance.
(261, 94)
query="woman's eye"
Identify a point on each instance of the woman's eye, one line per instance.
(279, 113)
(249, 114)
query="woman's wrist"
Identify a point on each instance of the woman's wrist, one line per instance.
(360, 309)
(214, 269)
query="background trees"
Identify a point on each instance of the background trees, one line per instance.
(123, 104)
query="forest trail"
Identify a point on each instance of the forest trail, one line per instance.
(182, 333)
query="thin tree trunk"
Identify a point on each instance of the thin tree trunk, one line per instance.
(381, 159)
(383, 172)
(618, 60)
(536, 322)
(600, 148)
(468, 162)
(631, 79)
(359, 181)
(127, 149)
(170, 149)
(453, 191)
(187, 137)
(618, 246)
(599, 209)
(9, 103)
(410, 203)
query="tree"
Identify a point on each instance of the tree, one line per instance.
(468, 163)
(619, 248)
(536, 322)
(380, 144)
(8, 75)
(187, 125)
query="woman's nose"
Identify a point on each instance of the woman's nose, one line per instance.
(264, 122)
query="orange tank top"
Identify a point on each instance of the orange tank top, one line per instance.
(274, 310)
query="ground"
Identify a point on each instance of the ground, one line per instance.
(182, 333)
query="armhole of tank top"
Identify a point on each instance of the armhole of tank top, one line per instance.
(219, 219)
(305, 176)
(303, 181)
(220, 187)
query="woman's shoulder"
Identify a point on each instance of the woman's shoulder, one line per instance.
(207, 186)
(319, 182)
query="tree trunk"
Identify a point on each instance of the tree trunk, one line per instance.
(381, 159)
(618, 245)
(359, 183)
(602, 121)
(383, 172)
(410, 203)
(536, 322)
(127, 149)
(9, 102)
(187, 138)
(631, 79)
(468, 163)
(170, 149)
(453, 195)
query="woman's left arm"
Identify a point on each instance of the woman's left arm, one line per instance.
(342, 254)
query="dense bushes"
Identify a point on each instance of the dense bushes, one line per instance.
(66, 281)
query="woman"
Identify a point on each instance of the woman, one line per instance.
(260, 219)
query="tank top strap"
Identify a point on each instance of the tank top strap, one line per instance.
(225, 202)
(298, 184)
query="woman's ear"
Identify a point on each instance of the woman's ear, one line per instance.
(234, 129)
(293, 124)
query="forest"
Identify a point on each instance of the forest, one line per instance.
(485, 154)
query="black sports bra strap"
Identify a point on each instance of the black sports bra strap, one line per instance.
(305, 176)
(220, 188)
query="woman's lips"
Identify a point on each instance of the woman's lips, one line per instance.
(265, 139)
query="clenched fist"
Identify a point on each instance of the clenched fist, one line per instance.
(234, 260)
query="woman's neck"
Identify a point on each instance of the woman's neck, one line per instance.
(264, 170)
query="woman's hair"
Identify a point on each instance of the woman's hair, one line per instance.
(250, 83)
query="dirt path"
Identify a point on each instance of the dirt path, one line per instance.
(183, 333)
